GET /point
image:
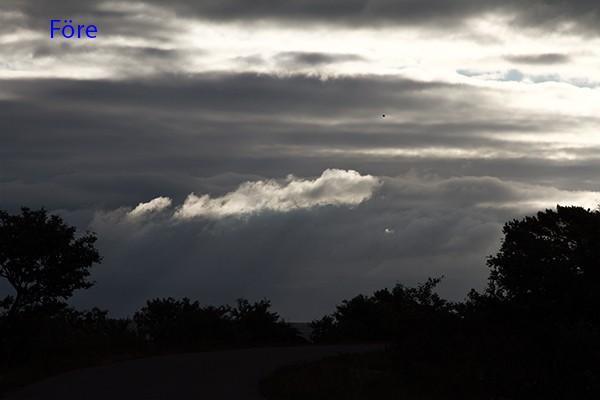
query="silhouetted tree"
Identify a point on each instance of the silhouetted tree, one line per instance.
(185, 325)
(182, 324)
(42, 259)
(383, 315)
(550, 263)
(256, 324)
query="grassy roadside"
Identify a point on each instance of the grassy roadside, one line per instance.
(348, 377)
(371, 376)
(15, 378)
(455, 369)
(18, 377)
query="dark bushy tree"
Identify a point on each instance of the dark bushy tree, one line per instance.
(42, 259)
(256, 324)
(184, 325)
(169, 323)
(540, 307)
(550, 264)
(383, 315)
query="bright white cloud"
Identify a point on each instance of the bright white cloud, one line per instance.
(156, 205)
(333, 187)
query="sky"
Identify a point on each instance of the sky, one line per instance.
(227, 148)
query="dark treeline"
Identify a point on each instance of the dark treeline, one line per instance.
(168, 324)
(485, 347)
(44, 262)
(162, 325)
(37, 343)
(532, 333)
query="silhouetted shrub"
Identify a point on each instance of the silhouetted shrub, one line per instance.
(255, 324)
(169, 323)
(383, 315)
(49, 340)
(184, 325)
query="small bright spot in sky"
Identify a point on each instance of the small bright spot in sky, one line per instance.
(389, 231)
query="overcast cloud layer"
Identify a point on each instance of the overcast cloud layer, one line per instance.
(231, 148)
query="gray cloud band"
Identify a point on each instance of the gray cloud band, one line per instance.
(167, 135)
(442, 14)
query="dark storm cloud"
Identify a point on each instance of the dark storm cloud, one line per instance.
(204, 121)
(243, 93)
(94, 139)
(541, 59)
(302, 59)
(307, 261)
(61, 50)
(554, 15)
(178, 122)
(68, 144)
(83, 146)
(547, 14)
(36, 14)
(333, 11)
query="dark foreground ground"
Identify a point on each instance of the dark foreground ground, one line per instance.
(232, 374)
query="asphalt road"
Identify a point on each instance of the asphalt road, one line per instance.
(232, 374)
